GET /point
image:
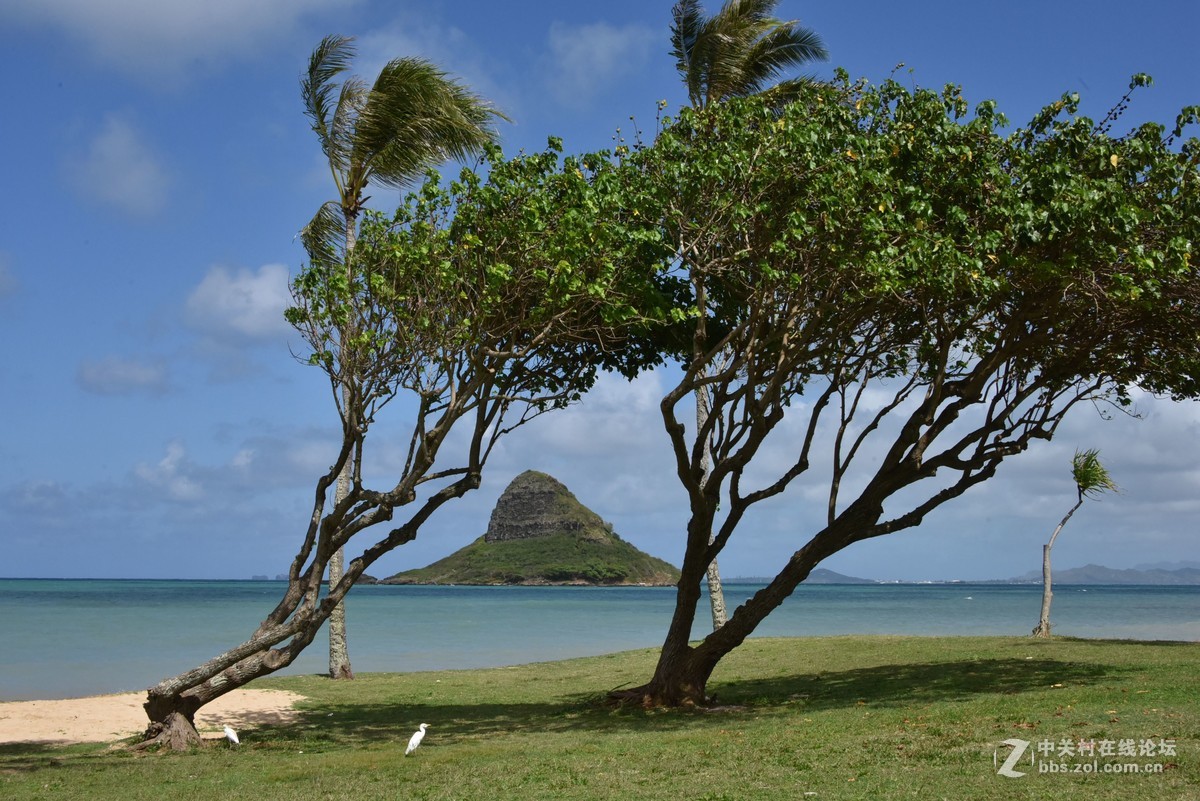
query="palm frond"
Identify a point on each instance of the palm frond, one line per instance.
(339, 145)
(1091, 477)
(330, 58)
(746, 13)
(782, 47)
(324, 238)
(414, 116)
(721, 52)
(739, 50)
(687, 20)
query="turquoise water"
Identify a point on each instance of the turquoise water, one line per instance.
(65, 638)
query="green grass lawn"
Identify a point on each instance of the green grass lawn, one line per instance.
(822, 718)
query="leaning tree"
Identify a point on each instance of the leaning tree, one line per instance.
(1091, 480)
(482, 306)
(899, 297)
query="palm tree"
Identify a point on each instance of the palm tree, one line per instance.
(741, 50)
(1091, 480)
(413, 117)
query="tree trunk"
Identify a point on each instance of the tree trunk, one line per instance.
(716, 596)
(175, 731)
(171, 705)
(339, 654)
(678, 679)
(1042, 629)
(682, 673)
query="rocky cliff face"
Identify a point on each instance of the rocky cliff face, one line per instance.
(539, 505)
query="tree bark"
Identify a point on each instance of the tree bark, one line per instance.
(1042, 629)
(175, 731)
(339, 654)
(716, 595)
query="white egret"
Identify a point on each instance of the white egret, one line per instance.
(231, 736)
(416, 739)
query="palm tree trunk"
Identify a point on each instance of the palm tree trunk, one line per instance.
(716, 595)
(1042, 629)
(339, 653)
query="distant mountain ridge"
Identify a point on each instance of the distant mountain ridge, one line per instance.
(539, 533)
(1097, 574)
(1162, 574)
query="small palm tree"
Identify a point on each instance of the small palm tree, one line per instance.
(1091, 480)
(739, 51)
(413, 117)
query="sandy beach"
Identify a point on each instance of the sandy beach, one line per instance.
(105, 718)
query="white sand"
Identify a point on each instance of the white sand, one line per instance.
(103, 718)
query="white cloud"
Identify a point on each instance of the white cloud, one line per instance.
(157, 41)
(173, 475)
(587, 60)
(241, 306)
(119, 169)
(116, 376)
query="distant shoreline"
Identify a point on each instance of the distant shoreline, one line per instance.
(735, 580)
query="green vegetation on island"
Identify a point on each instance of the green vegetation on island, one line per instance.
(540, 533)
(554, 559)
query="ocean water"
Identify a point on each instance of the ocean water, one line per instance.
(66, 638)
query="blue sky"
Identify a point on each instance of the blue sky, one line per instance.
(157, 165)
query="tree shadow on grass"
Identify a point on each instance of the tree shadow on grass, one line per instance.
(331, 725)
(336, 725)
(28, 757)
(921, 683)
